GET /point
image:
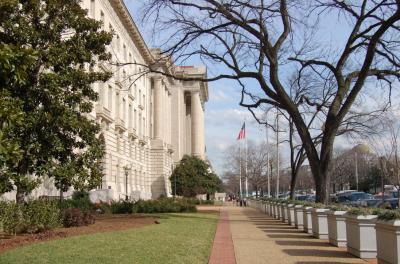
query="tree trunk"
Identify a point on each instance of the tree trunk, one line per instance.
(20, 195)
(293, 184)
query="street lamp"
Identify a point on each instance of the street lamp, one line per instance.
(127, 168)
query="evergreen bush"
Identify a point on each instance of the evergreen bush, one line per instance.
(31, 217)
(121, 207)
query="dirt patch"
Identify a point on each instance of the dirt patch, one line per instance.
(104, 223)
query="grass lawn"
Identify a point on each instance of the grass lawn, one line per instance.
(180, 238)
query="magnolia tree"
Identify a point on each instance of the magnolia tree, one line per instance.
(193, 176)
(259, 43)
(53, 136)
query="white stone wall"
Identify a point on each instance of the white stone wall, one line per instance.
(146, 128)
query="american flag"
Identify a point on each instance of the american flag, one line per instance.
(242, 133)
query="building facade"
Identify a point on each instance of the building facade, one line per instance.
(148, 121)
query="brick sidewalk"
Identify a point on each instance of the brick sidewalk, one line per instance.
(222, 251)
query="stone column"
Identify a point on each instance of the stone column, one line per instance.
(158, 109)
(202, 134)
(196, 114)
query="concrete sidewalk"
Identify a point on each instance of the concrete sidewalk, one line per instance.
(257, 239)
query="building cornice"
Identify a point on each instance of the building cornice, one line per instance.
(127, 20)
(153, 57)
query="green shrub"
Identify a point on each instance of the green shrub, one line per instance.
(338, 207)
(363, 211)
(121, 207)
(31, 217)
(79, 199)
(12, 218)
(40, 216)
(388, 215)
(165, 205)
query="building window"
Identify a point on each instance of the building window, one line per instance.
(130, 116)
(118, 43)
(136, 120)
(125, 54)
(117, 179)
(93, 9)
(124, 109)
(140, 124)
(118, 143)
(109, 101)
(117, 105)
(102, 20)
(144, 126)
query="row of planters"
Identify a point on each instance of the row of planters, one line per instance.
(367, 233)
(39, 215)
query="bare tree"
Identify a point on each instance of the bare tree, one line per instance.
(257, 165)
(351, 168)
(386, 144)
(258, 40)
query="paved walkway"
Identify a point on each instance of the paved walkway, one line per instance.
(257, 239)
(222, 251)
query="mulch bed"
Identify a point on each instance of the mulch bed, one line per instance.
(104, 223)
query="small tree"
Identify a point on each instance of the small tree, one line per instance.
(193, 176)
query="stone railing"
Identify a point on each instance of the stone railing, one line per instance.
(366, 233)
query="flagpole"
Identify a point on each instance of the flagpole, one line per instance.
(247, 183)
(240, 172)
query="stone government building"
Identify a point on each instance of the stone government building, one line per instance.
(147, 124)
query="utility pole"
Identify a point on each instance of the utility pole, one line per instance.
(268, 172)
(356, 172)
(246, 179)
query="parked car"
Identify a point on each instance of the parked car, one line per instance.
(390, 198)
(301, 197)
(354, 198)
(310, 198)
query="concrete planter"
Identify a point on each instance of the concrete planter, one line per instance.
(307, 222)
(278, 211)
(290, 212)
(282, 212)
(298, 217)
(285, 216)
(270, 208)
(273, 209)
(337, 228)
(388, 241)
(361, 235)
(259, 205)
(319, 218)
